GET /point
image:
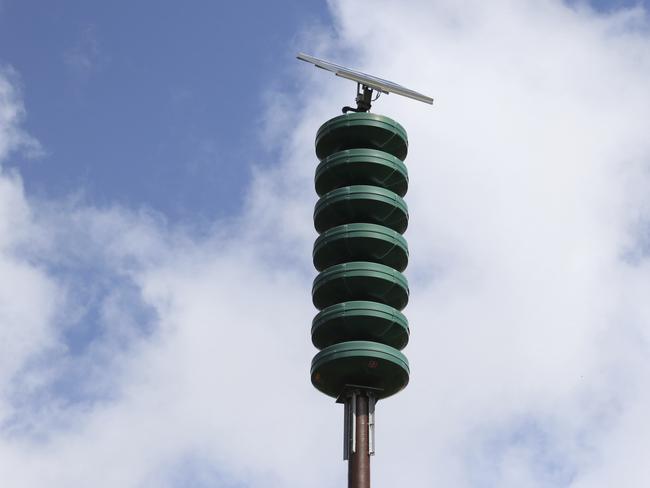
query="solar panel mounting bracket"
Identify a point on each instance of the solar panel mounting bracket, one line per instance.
(364, 99)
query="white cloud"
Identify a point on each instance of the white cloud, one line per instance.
(12, 112)
(27, 296)
(529, 274)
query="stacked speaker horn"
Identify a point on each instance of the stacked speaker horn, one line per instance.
(360, 255)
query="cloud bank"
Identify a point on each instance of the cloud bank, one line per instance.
(134, 354)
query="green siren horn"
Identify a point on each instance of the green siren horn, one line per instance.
(360, 255)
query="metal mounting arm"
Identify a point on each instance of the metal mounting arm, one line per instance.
(363, 99)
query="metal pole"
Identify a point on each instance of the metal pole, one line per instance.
(359, 463)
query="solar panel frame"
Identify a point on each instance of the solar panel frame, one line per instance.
(379, 84)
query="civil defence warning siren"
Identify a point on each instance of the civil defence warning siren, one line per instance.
(360, 255)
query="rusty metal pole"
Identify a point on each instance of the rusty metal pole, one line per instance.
(359, 463)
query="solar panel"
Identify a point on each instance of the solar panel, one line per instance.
(378, 84)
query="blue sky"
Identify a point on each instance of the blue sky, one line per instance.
(156, 172)
(133, 104)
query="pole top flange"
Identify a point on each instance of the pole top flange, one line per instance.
(348, 390)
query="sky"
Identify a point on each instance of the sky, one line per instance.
(156, 198)
(126, 100)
